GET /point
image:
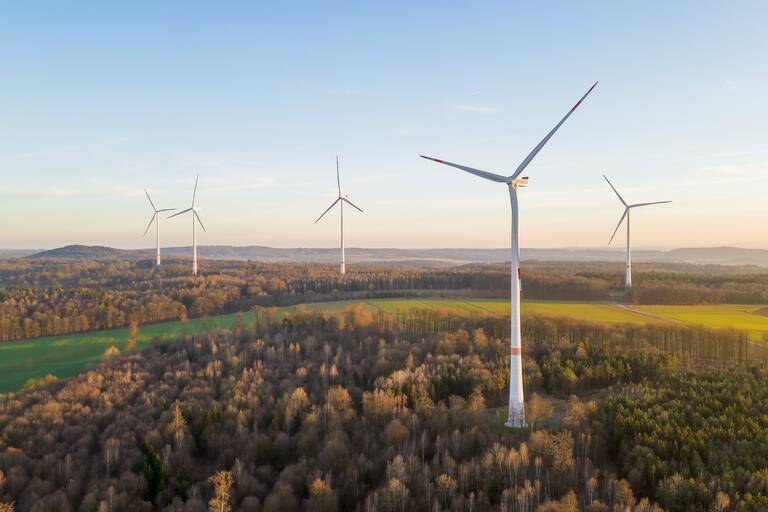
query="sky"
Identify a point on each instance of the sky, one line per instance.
(101, 99)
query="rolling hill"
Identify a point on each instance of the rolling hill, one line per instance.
(429, 257)
(83, 252)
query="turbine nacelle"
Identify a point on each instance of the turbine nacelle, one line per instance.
(156, 219)
(627, 208)
(193, 209)
(514, 178)
(155, 215)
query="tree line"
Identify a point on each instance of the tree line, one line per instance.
(51, 298)
(55, 297)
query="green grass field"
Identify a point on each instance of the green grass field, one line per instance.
(715, 317)
(65, 356)
(605, 313)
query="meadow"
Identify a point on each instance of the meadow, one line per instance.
(65, 356)
(719, 316)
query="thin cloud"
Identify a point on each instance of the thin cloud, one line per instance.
(712, 175)
(477, 109)
(733, 154)
(87, 147)
(228, 185)
(227, 175)
(348, 90)
(241, 182)
(60, 192)
(728, 171)
(730, 86)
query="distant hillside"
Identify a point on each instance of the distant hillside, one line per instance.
(16, 253)
(722, 255)
(354, 254)
(422, 257)
(696, 255)
(86, 252)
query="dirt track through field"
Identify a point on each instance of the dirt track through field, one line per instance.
(648, 315)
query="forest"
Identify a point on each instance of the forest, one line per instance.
(709, 446)
(48, 298)
(55, 297)
(318, 411)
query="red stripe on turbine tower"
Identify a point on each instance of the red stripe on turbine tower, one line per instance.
(517, 351)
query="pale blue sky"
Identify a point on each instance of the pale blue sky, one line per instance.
(100, 99)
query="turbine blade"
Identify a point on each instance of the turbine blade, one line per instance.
(199, 221)
(350, 203)
(176, 214)
(477, 172)
(166, 210)
(194, 192)
(338, 179)
(150, 224)
(150, 200)
(329, 209)
(648, 204)
(524, 164)
(618, 225)
(616, 191)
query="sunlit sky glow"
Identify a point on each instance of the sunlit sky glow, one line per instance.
(101, 99)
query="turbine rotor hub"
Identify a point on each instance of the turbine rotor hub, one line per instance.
(520, 182)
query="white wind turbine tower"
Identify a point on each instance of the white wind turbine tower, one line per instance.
(516, 410)
(195, 217)
(627, 207)
(341, 200)
(156, 219)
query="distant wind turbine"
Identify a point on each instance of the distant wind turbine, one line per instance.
(627, 207)
(156, 219)
(341, 200)
(516, 410)
(195, 217)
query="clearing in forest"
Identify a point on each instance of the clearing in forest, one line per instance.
(65, 356)
(718, 316)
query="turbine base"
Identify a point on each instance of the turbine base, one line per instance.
(515, 424)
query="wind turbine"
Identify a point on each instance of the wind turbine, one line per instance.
(627, 207)
(341, 200)
(516, 410)
(156, 219)
(195, 217)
